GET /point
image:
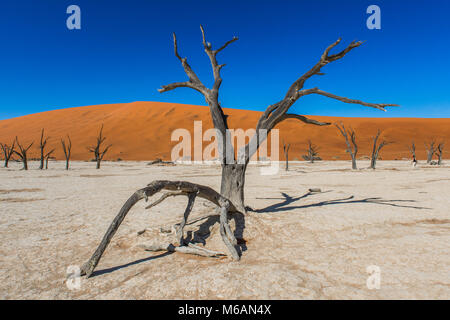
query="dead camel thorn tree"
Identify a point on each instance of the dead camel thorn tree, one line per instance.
(440, 149)
(312, 152)
(22, 153)
(42, 145)
(48, 156)
(98, 154)
(376, 149)
(352, 147)
(431, 150)
(67, 148)
(286, 154)
(412, 149)
(8, 151)
(231, 196)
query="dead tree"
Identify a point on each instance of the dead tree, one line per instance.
(48, 156)
(42, 144)
(234, 165)
(376, 149)
(98, 154)
(286, 154)
(431, 150)
(352, 147)
(67, 148)
(412, 149)
(8, 151)
(22, 153)
(312, 152)
(440, 149)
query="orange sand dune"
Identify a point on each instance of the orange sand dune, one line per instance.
(142, 131)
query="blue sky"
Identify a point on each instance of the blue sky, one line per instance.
(124, 53)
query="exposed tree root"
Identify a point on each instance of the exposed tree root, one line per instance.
(177, 188)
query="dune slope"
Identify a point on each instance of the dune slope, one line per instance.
(142, 130)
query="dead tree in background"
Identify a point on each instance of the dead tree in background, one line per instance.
(22, 153)
(312, 153)
(42, 144)
(8, 151)
(286, 154)
(97, 148)
(47, 157)
(353, 151)
(233, 167)
(431, 150)
(67, 148)
(376, 150)
(440, 149)
(412, 149)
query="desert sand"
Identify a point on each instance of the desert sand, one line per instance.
(296, 245)
(142, 130)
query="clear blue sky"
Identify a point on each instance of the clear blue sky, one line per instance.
(124, 53)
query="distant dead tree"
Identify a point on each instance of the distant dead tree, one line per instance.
(440, 149)
(48, 156)
(353, 151)
(412, 149)
(376, 150)
(8, 151)
(97, 148)
(312, 153)
(22, 153)
(67, 148)
(286, 154)
(230, 200)
(431, 150)
(42, 145)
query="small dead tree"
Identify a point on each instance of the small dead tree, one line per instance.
(67, 148)
(234, 164)
(98, 154)
(440, 149)
(48, 156)
(8, 151)
(352, 147)
(42, 145)
(22, 153)
(376, 149)
(431, 150)
(286, 154)
(312, 153)
(412, 149)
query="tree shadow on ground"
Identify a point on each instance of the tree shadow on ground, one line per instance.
(287, 200)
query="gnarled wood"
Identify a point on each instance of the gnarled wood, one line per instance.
(376, 149)
(98, 153)
(22, 153)
(42, 144)
(183, 188)
(352, 150)
(67, 148)
(8, 151)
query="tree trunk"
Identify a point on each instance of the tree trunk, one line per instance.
(232, 186)
(41, 165)
(354, 167)
(67, 164)
(98, 163)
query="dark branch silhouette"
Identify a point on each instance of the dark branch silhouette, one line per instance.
(42, 144)
(67, 148)
(8, 151)
(22, 153)
(97, 149)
